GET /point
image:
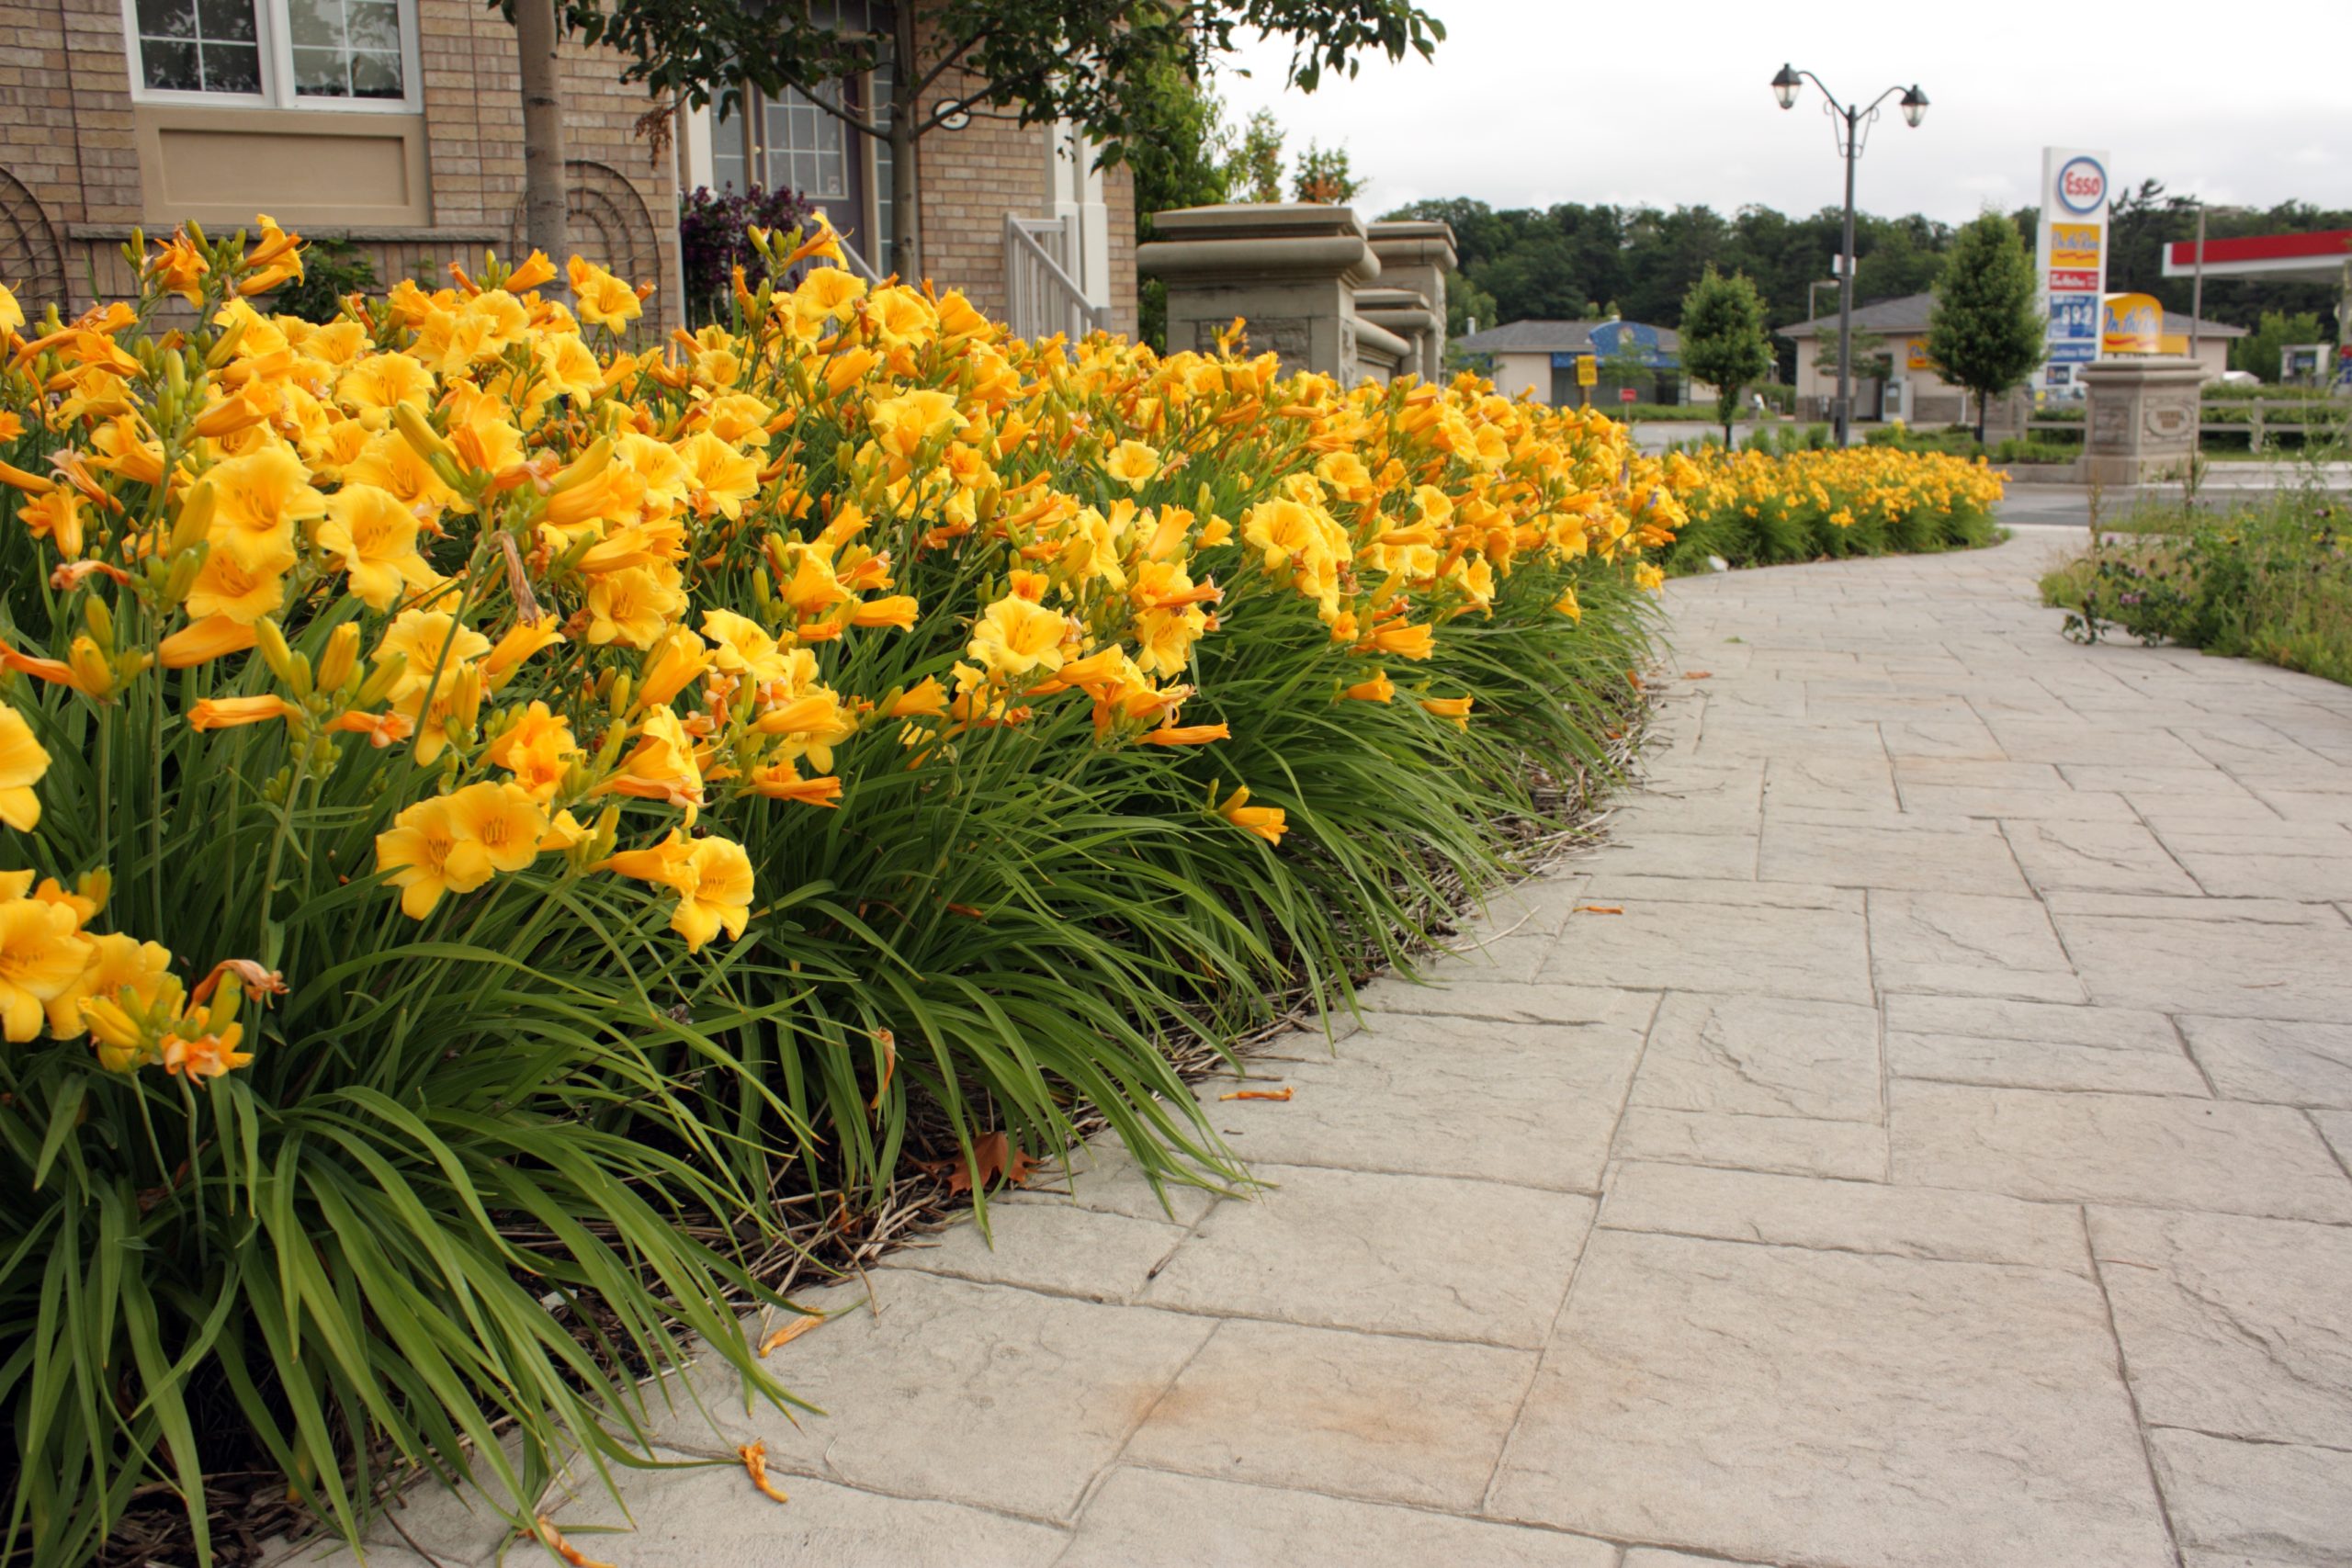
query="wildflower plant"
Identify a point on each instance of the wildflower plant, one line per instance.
(492, 797)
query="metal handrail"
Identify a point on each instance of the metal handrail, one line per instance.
(1041, 298)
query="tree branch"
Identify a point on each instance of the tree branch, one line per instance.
(838, 112)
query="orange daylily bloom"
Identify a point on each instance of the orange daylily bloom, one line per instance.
(226, 713)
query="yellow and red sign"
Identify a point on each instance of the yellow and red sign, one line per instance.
(2131, 323)
(2073, 245)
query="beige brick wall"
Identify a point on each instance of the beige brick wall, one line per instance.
(67, 136)
(972, 178)
(66, 133)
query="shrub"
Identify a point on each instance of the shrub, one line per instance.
(495, 819)
(2273, 581)
(331, 269)
(714, 238)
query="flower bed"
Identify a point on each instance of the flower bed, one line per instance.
(501, 809)
(1757, 508)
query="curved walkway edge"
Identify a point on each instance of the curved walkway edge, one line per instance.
(1918, 1140)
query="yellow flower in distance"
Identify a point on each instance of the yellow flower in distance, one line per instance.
(1267, 821)
(41, 953)
(1015, 637)
(258, 499)
(23, 761)
(428, 854)
(375, 535)
(603, 300)
(1131, 463)
(503, 820)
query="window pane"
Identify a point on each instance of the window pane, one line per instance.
(726, 151)
(232, 68)
(166, 18)
(171, 67)
(200, 46)
(228, 21)
(316, 25)
(373, 24)
(318, 74)
(346, 49)
(375, 76)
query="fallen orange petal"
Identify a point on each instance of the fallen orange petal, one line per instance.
(553, 1539)
(755, 1464)
(1600, 908)
(790, 1331)
(1698, 674)
(1283, 1093)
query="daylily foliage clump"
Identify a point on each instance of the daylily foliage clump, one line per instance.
(1758, 508)
(485, 782)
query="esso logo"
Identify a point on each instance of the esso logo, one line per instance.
(2082, 186)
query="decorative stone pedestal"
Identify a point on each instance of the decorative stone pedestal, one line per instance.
(2142, 419)
(1415, 255)
(1290, 269)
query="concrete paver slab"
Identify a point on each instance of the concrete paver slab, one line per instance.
(1469, 1260)
(1775, 1403)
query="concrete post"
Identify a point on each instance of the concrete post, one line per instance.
(2141, 423)
(1415, 255)
(1289, 269)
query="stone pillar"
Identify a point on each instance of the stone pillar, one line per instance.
(1404, 315)
(1416, 254)
(1289, 269)
(2141, 423)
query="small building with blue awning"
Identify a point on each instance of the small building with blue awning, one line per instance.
(1541, 357)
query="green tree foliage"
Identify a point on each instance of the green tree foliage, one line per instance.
(1254, 171)
(1466, 303)
(1324, 175)
(1550, 265)
(1088, 61)
(1985, 333)
(2260, 354)
(1723, 339)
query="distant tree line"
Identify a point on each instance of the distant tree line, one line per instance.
(1575, 261)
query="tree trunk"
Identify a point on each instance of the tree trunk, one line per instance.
(544, 212)
(1983, 402)
(905, 185)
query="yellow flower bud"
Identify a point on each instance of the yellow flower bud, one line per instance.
(381, 680)
(342, 657)
(193, 524)
(92, 672)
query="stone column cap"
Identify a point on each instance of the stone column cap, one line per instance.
(1402, 242)
(1248, 241)
(1258, 220)
(2142, 367)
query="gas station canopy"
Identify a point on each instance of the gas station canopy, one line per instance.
(2283, 258)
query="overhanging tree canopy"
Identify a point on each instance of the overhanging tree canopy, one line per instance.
(1088, 61)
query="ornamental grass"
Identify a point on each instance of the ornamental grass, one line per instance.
(494, 797)
(1764, 509)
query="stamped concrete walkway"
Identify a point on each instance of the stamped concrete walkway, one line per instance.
(1920, 1141)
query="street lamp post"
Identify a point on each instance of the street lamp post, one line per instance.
(1852, 128)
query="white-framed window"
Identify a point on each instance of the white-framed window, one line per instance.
(287, 54)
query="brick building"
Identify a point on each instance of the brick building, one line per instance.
(398, 124)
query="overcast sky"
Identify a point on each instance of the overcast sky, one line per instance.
(1532, 102)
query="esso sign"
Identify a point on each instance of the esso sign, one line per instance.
(2082, 186)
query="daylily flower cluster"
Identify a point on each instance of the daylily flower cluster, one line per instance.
(584, 598)
(1862, 485)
